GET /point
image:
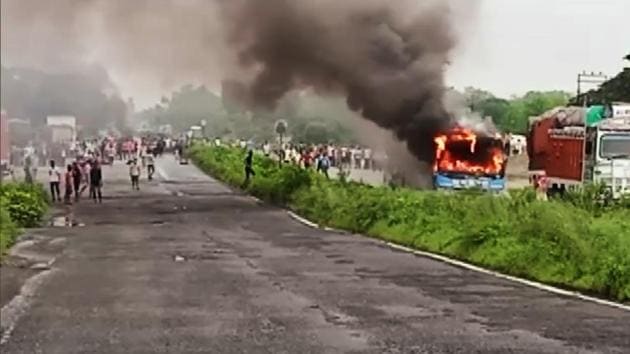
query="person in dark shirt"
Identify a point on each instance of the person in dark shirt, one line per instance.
(96, 182)
(76, 179)
(249, 169)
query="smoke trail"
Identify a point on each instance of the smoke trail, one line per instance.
(386, 57)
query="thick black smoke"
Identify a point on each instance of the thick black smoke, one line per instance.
(386, 57)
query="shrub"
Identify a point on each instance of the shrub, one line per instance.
(25, 203)
(8, 230)
(576, 241)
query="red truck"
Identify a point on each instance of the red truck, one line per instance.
(576, 145)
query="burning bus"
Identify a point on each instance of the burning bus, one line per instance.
(465, 159)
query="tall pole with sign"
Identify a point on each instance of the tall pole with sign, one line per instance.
(280, 129)
(203, 128)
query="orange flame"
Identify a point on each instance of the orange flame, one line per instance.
(447, 161)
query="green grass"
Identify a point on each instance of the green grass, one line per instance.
(21, 205)
(8, 231)
(574, 243)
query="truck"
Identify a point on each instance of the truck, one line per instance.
(573, 146)
(466, 159)
(63, 129)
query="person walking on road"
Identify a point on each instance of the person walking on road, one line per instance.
(54, 177)
(76, 179)
(323, 164)
(150, 162)
(85, 176)
(249, 169)
(96, 182)
(68, 183)
(134, 173)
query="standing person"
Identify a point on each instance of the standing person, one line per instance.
(367, 159)
(306, 158)
(507, 145)
(134, 173)
(150, 161)
(76, 179)
(54, 177)
(68, 182)
(85, 176)
(324, 163)
(28, 176)
(266, 148)
(96, 182)
(249, 169)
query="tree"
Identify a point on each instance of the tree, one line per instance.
(494, 107)
(34, 94)
(513, 115)
(613, 90)
(474, 96)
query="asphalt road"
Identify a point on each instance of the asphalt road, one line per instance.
(188, 266)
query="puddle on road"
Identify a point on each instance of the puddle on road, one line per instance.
(64, 221)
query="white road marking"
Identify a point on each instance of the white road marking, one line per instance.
(468, 266)
(303, 220)
(11, 313)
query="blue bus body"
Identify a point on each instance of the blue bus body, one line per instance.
(460, 181)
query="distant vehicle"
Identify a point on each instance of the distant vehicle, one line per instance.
(572, 146)
(196, 132)
(518, 144)
(467, 160)
(63, 128)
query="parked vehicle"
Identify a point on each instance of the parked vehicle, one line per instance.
(572, 146)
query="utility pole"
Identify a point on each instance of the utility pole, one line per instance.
(591, 78)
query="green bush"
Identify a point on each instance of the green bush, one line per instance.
(25, 203)
(575, 242)
(8, 231)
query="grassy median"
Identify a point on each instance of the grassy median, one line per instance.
(21, 205)
(571, 243)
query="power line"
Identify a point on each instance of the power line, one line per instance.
(591, 78)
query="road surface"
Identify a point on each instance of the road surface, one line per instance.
(186, 265)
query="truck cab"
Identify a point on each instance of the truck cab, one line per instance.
(607, 155)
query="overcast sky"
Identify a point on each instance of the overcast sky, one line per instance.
(521, 45)
(514, 46)
(507, 47)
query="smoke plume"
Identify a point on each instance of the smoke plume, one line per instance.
(386, 57)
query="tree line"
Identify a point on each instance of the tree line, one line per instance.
(88, 94)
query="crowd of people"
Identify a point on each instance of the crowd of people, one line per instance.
(80, 175)
(84, 173)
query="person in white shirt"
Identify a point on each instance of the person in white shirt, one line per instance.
(367, 159)
(266, 149)
(54, 176)
(134, 173)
